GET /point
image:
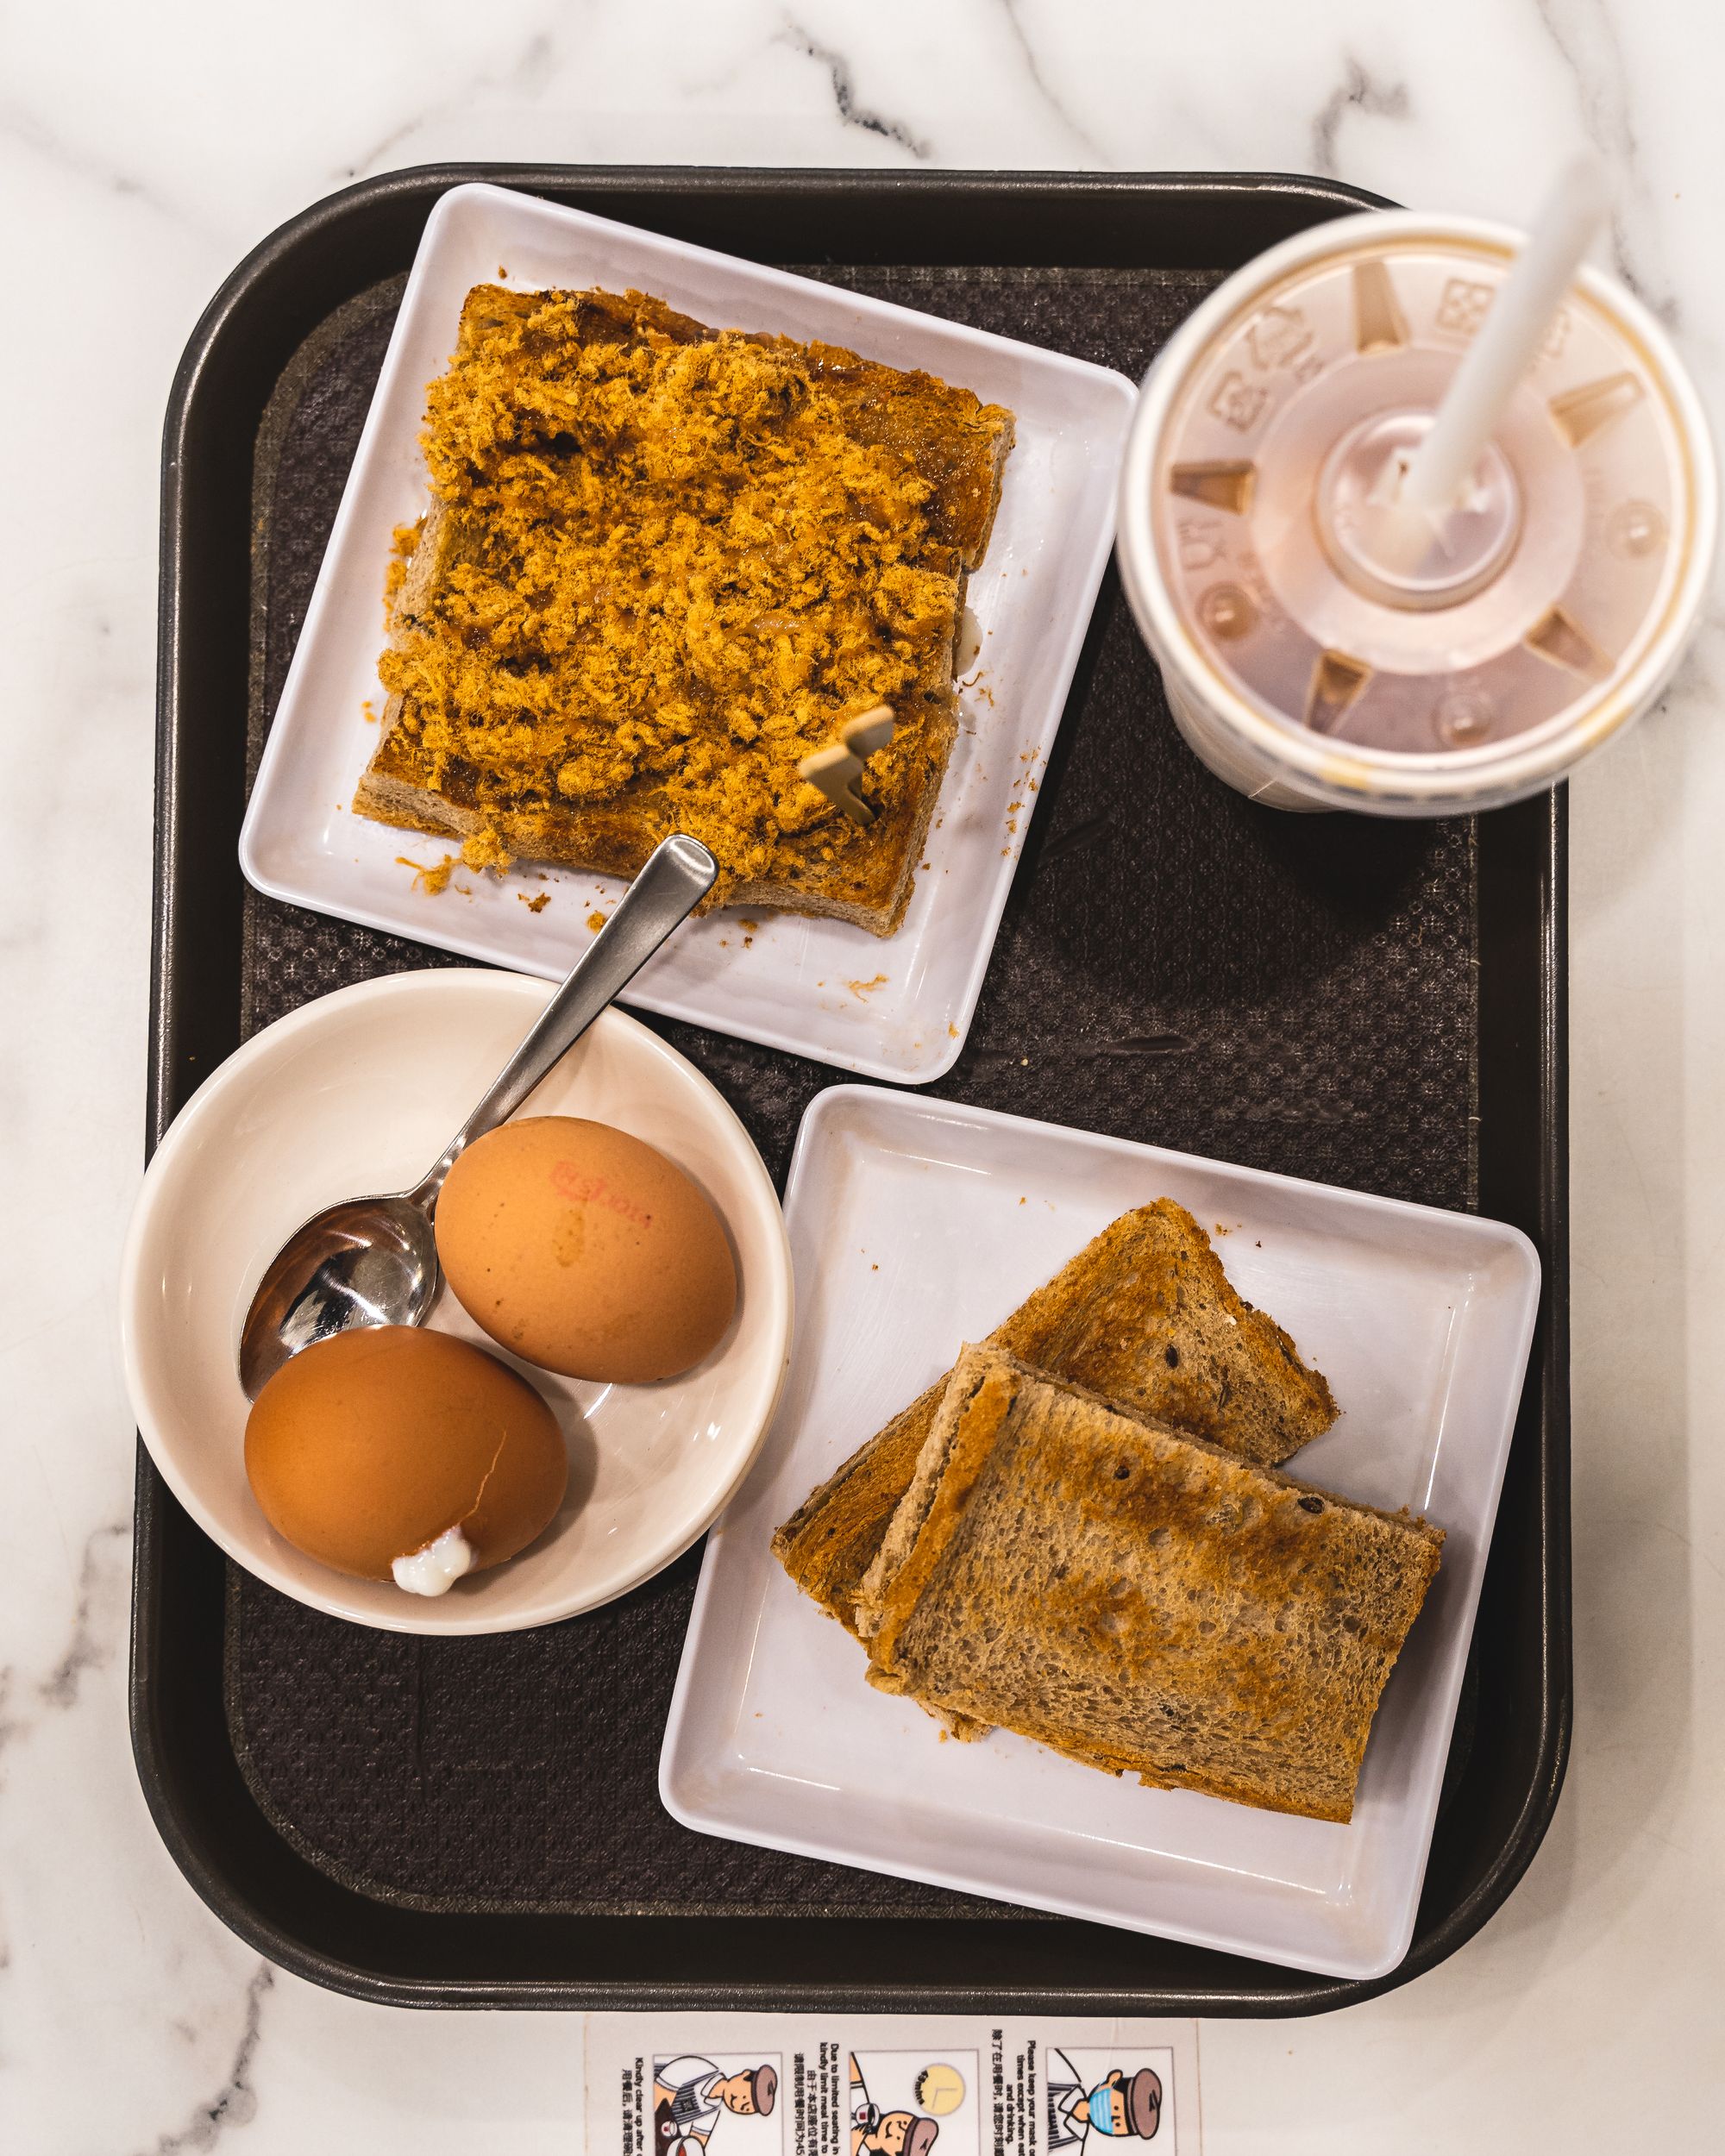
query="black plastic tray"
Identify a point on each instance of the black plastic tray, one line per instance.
(1509, 1157)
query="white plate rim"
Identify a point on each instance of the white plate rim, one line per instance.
(947, 1044)
(689, 1812)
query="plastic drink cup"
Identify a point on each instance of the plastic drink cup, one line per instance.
(1313, 660)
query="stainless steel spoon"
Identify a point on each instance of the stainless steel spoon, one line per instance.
(373, 1261)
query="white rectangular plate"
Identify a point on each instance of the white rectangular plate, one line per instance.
(918, 1225)
(897, 1007)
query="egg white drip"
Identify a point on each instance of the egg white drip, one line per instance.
(434, 1570)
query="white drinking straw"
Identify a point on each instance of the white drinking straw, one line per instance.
(1516, 326)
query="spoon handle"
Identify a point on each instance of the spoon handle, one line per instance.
(679, 873)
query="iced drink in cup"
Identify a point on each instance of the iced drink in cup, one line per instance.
(1314, 657)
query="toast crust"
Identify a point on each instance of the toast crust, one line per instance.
(663, 564)
(974, 1406)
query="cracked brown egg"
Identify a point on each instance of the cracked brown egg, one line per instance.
(395, 1453)
(585, 1250)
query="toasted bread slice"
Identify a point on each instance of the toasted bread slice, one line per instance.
(1142, 1601)
(663, 563)
(1144, 1314)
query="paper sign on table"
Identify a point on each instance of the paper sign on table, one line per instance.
(739, 2084)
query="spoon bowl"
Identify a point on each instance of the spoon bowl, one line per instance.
(369, 1261)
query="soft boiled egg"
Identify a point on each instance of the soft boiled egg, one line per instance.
(394, 1453)
(585, 1250)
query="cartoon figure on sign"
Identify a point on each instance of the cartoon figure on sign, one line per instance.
(691, 2095)
(884, 2132)
(1121, 2105)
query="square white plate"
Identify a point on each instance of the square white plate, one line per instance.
(918, 1225)
(894, 1008)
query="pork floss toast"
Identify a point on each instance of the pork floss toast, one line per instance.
(662, 565)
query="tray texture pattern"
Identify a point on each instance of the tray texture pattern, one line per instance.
(1175, 966)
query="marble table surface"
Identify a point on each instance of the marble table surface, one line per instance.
(143, 152)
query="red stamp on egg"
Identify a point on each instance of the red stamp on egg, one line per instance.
(579, 1189)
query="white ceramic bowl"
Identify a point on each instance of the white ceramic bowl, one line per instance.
(359, 1091)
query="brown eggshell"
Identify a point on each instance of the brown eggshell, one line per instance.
(369, 1445)
(584, 1250)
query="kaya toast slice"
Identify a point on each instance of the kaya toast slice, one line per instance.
(1144, 1602)
(1144, 1314)
(436, 770)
